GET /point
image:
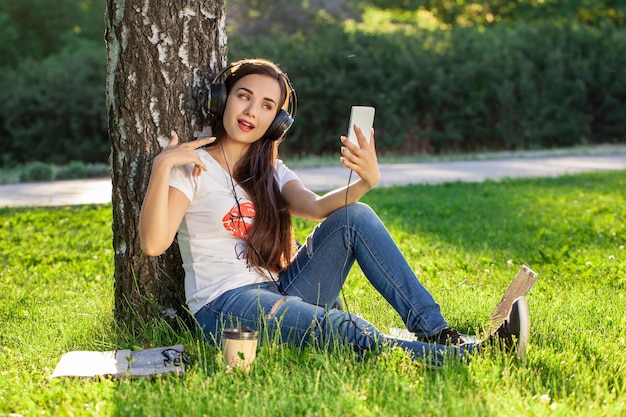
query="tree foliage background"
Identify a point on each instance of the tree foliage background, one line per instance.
(445, 75)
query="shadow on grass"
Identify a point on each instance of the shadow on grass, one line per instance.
(543, 222)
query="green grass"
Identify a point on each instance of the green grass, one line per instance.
(465, 241)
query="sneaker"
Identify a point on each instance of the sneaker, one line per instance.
(447, 336)
(515, 329)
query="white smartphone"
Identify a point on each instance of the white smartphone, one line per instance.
(363, 117)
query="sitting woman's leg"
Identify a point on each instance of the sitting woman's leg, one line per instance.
(289, 319)
(319, 270)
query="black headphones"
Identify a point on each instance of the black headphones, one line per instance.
(218, 95)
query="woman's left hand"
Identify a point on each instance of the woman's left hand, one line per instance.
(361, 158)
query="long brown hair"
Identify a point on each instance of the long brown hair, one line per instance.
(270, 242)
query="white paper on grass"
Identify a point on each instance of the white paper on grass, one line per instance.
(117, 363)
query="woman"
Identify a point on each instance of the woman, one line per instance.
(231, 200)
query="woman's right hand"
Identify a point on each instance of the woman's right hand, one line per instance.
(176, 154)
(163, 206)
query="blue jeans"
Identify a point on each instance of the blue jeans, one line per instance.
(299, 310)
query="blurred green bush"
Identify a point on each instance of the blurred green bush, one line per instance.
(505, 87)
(465, 89)
(53, 110)
(37, 171)
(45, 171)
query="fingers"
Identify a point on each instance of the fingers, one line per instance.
(202, 142)
(360, 137)
(366, 147)
(371, 142)
(177, 154)
(174, 138)
(363, 143)
(361, 159)
(197, 170)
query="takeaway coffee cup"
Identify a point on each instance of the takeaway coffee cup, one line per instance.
(239, 347)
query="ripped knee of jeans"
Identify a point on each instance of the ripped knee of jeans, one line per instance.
(275, 308)
(309, 245)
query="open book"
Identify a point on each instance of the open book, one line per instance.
(124, 363)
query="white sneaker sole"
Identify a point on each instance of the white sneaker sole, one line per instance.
(519, 324)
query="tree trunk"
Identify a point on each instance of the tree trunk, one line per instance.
(159, 55)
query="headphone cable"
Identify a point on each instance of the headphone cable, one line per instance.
(245, 225)
(343, 271)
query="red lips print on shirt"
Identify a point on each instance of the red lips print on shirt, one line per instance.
(239, 223)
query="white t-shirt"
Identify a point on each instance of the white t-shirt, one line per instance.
(212, 233)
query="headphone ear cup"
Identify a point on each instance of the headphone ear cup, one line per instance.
(217, 99)
(281, 123)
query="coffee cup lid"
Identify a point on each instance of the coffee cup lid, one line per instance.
(240, 333)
